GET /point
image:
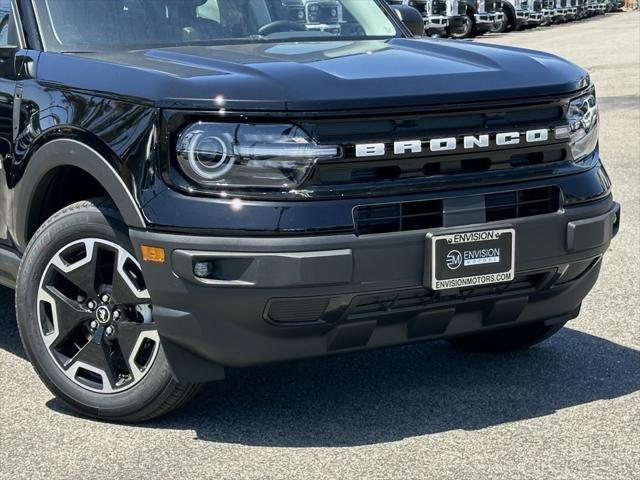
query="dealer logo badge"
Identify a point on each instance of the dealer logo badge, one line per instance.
(454, 259)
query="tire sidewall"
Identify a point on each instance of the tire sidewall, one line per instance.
(469, 33)
(64, 228)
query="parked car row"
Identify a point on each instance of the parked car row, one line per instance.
(470, 18)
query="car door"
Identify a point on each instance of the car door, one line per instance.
(8, 49)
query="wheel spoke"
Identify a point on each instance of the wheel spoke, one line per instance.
(67, 315)
(131, 336)
(95, 356)
(124, 290)
(81, 273)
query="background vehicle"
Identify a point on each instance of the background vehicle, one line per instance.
(571, 9)
(597, 7)
(549, 12)
(435, 23)
(561, 12)
(469, 18)
(617, 5)
(323, 16)
(520, 14)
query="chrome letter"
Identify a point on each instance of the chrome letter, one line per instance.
(441, 144)
(371, 150)
(479, 141)
(414, 146)
(511, 138)
(541, 135)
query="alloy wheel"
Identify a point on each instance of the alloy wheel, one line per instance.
(95, 316)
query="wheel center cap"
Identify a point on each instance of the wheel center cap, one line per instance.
(103, 314)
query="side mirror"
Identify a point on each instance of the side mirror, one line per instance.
(411, 18)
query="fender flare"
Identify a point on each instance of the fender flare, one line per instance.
(71, 153)
(470, 8)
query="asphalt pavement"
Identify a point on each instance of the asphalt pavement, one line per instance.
(569, 408)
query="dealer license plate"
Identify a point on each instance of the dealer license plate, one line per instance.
(470, 259)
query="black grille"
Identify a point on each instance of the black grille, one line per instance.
(422, 215)
(296, 311)
(398, 217)
(393, 302)
(520, 204)
(351, 175)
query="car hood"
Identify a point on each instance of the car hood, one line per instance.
(316, 76)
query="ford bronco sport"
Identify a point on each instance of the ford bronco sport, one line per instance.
(194, 185)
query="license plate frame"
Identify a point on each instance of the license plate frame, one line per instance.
(470, 258)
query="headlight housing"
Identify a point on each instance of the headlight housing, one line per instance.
(235, 157)
(584, 123)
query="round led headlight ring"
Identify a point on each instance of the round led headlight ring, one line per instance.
(208, 156)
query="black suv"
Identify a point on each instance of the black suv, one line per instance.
(192, 185)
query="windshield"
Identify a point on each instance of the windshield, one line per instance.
(90, 25)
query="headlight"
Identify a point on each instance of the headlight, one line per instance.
(582, 130)
(248, 156)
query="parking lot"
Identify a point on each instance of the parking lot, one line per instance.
(569, 408)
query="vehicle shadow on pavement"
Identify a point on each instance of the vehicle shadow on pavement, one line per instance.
(392, 394)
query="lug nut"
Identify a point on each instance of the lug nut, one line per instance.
(94, 324)
(116, 314)
(91, 304)
(106, 298)
(109, 330)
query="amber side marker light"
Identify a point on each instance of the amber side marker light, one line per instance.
(152, 254)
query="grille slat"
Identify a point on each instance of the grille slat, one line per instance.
(421, 215)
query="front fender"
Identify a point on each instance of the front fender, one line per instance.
(68, 152)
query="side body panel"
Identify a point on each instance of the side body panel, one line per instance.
(112, 139)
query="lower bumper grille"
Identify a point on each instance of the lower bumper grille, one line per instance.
(396, 302)
(408, 216)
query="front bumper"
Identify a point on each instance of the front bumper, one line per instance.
(535, 18)
(437, 22)
(525, 17)
(484, 21)
(281, 298)
(571, 13)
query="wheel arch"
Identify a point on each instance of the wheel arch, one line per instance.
(61, 155)
(471, 9)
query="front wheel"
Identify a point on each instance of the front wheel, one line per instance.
(512, 338)
(466, 30)
(86, 318)
(505, 25)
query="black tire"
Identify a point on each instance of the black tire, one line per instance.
(151, 391)
(506, 25)
(519, 27)
(507, 339)
(468, 29)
